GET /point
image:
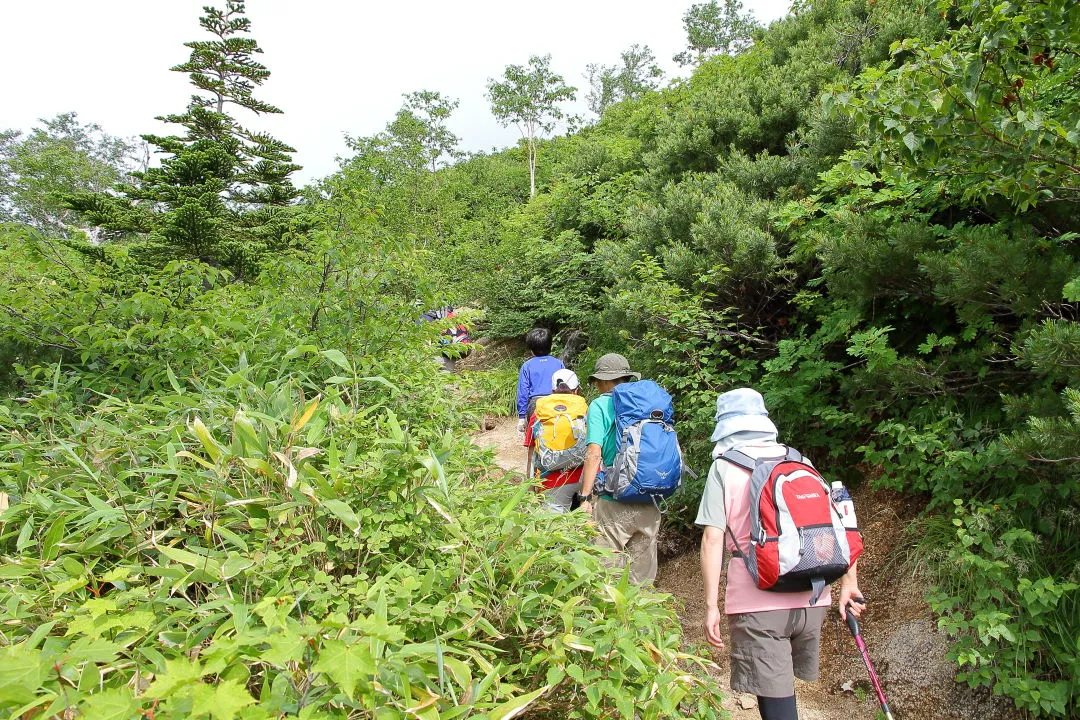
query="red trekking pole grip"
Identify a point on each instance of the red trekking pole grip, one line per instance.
(853, 625)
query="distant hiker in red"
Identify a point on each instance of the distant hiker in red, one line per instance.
(454, 341)
(775, 635)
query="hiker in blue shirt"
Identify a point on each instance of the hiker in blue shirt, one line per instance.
(534, 380)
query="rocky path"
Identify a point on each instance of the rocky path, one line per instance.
(908, 651)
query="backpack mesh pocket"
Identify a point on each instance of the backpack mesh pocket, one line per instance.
(818, 548)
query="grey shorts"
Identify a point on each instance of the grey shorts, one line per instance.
(559, 499)
(771, 648)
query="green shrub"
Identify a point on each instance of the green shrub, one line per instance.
(213, 513)
(239, 552)
(1004, 593)
(492, 391)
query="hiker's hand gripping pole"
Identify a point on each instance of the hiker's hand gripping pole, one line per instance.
(850, 592)
(856, 632)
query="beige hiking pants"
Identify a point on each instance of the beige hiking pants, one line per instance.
(629, 529)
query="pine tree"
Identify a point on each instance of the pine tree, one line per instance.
(219, 194)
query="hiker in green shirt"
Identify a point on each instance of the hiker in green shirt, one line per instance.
(628, 529)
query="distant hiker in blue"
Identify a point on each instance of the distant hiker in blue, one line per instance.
(534, 380)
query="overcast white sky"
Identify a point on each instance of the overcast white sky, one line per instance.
(338, 66)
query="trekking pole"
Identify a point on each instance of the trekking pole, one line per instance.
(853, 626)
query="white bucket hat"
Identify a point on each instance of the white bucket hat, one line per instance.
(741, 410)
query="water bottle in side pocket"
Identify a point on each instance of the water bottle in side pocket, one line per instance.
(844, 505)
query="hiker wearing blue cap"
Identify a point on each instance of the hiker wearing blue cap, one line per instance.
(775, 635)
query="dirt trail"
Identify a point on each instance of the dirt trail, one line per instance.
(503, 439)
(907, 650)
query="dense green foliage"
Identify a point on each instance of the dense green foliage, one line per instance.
(610, 84)
(61, 157)
(528, 97)
(712, 29)
(871, 215)
(245, 499)
(213, 511)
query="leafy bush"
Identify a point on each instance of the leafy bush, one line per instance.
(207, 511)
(239, 553)
(1002, 591)
(492, 391)
(534, 275)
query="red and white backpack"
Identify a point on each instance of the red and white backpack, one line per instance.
(797, 538)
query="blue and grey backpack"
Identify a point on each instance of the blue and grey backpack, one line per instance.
(648, 464)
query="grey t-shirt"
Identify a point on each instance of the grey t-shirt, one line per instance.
(712, 511)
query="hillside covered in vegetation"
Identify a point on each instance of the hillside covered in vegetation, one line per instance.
(233, 482)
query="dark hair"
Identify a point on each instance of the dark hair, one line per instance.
(564, 389)
(538, 340)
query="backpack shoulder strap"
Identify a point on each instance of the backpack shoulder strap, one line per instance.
(736, 550)
(793, 455)
(741, 459)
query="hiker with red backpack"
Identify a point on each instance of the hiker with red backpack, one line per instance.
(555, 436)
(632, 463)
(767, 505)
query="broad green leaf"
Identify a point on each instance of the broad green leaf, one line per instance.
(99, 606)
(196, 458)
(172, 379)
(93, 650)
(346, 664)
(52, 538)
(26, 535)
(110, 704)
(178, 673)
(204, 563)
(231, 537)
(223, 701)
(344, 513)
(379, 379)
(912, 142)
(258, 464)
(10, 571)
(62, 588)
(284, 648)
(234, 565)
(213, 449)
(509, 506)
(338, 358)
(249, 438)
(21, 674)
(1072, 290)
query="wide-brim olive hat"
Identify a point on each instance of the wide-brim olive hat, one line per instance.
(613, 366)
